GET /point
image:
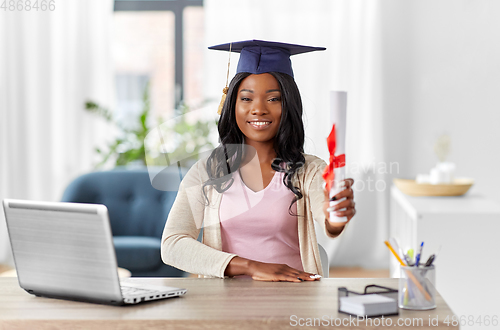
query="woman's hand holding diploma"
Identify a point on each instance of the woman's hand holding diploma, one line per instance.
(344, 208)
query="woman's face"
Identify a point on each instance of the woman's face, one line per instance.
(258, 108)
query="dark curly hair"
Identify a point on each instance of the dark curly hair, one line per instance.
(288, 144)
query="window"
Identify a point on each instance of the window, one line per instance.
(158, 44)
(143, 55)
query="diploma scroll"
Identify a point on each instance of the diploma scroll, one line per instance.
(336, 146)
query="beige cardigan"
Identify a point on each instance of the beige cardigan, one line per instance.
(180, 248)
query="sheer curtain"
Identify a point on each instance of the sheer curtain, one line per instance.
(350, 30)
(50, 63)
(356, 42)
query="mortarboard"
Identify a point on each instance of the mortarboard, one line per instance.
(259, 56)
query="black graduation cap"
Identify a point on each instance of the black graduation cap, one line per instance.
(258, 56)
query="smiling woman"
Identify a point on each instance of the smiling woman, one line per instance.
(258, 193)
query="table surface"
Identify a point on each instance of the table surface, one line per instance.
(212, 304)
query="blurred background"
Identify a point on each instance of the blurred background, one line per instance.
(80, 77)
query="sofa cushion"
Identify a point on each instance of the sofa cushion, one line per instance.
(135, 207)
(138, 253)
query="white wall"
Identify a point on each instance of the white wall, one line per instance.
(442, 75)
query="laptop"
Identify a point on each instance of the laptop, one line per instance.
(65, 251)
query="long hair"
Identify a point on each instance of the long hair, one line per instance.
(288, 143)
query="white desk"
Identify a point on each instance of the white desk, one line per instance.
(468, 229)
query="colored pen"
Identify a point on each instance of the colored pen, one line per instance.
(433, 257)
(430, 260)
(417, 260)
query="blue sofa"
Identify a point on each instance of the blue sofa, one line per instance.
(137, 212)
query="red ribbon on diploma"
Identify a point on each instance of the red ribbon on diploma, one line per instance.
(335, 161)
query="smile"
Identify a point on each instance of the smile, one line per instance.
(259, 124)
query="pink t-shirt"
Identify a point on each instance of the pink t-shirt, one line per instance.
(257, 225)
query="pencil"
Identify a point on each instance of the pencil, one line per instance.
(394, 252)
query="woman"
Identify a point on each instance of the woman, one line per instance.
(257, 193)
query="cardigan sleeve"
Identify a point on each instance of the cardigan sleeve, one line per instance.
(314, 179)
(179, 245)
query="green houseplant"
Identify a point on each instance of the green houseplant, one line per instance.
(130, 144)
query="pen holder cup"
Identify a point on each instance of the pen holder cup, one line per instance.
(417, 288)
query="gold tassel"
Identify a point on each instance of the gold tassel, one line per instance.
(225, 89)
(222, 100)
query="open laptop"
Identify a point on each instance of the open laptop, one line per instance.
(65, 250)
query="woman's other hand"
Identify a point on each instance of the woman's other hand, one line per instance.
(345, 208)
(262, 271)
